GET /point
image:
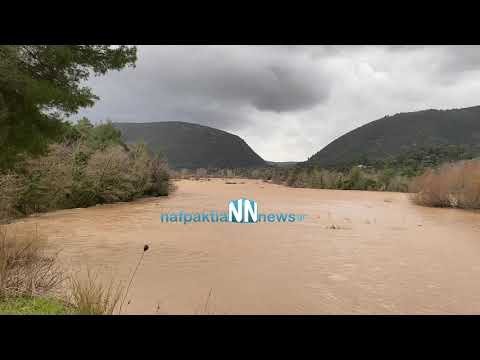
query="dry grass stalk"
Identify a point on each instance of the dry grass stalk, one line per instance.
(90, 296)
(145, 249)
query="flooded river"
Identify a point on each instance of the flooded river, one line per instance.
(356, 252)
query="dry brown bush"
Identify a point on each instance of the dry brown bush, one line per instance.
(451, 185)
(48, 180)
(118, 175)
(75, 175)
(111, 175)
(26, 267)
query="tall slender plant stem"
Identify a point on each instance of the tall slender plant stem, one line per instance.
(131, 280)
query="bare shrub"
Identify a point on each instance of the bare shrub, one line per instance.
(450, 185)
(49, 179)
(111, 175)
(230, 173)
(77, 175)
(200, 173)
(159, 177)
(118, 175)
(91, 296)
(184, 174)
(398, 183)
(26, 269)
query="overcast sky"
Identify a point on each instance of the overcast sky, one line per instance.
(287, 102)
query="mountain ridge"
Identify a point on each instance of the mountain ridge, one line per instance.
(393, 134)
(190, 145)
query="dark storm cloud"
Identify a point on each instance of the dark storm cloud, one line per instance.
(214, 86)
(254, 77)
(303, 96)
(269, 88)
(221, 118)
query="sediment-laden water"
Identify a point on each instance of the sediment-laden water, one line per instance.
(356, 252)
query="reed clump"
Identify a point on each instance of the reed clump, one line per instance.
(91, 296)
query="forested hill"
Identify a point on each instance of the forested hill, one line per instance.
(393, 135)
(192, 146)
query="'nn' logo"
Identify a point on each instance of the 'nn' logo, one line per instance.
(242, 211)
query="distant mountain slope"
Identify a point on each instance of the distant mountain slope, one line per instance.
(191, 145)
(395, 134)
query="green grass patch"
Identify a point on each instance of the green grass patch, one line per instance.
(33, 306)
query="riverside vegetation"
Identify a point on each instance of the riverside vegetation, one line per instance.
(90, 166)
(450, 185)
(46, 163)
(33, 283)
(440, 176)
(394, 173)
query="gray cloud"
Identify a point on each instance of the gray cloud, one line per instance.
(455, 59)
(287, 101)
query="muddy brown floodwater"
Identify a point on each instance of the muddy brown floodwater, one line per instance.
(357, 252)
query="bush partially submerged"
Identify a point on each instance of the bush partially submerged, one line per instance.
(353, 178)
(356, 178)
(79, 174)
(119, 175)
(450, 185)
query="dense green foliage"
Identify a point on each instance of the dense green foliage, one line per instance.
(192, 146)
(96, 137)
(42, 84)
(393, 135)
(414, 161)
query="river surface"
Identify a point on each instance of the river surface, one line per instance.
(356, 252)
